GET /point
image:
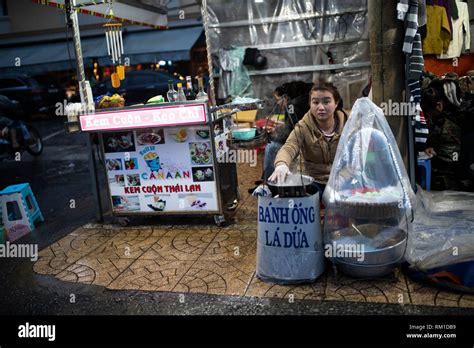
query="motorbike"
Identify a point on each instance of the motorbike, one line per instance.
(28, 138)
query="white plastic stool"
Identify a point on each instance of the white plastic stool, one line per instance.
(19, 210)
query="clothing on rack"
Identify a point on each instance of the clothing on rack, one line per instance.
(411, 26)
(447, 5)
(412, 45)
(421, 13)
(450, 91)
(421, 129)
(438, 34)
(460, 26)
(415, 67)
(402, 9)
(235, 79)
(454, 9)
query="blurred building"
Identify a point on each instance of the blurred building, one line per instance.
(34, 40)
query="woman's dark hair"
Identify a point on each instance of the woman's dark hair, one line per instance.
(329, 87)
(293, 89)
(430, 97)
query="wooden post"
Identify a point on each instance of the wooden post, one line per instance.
(386, 35)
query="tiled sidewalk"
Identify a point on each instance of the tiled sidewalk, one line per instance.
(208, 259)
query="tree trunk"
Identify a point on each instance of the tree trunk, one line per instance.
(386, 34)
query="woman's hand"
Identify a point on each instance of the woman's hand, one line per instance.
(280, 173)
(4, 132)
(271, 128)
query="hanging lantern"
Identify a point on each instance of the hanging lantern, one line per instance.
(121, 72)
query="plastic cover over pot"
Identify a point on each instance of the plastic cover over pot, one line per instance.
(369, 201)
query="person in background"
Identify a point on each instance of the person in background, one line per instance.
(291, 102)
(291, 99)
(451, 136)
(315, 137)
(8, 127)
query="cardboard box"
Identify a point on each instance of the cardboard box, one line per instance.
(245, 116)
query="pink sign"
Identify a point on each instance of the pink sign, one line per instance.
(173, 115)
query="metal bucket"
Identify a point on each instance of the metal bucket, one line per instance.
(389, 245)
(295, 185)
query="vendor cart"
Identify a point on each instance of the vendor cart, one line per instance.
(164, 159)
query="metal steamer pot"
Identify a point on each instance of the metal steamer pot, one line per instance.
(295, 185)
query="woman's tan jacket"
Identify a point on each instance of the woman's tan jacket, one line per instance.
(317, 152)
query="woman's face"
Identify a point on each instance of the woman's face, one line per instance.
(281, 101)
(322, 105)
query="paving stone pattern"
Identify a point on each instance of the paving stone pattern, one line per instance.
(204, 258)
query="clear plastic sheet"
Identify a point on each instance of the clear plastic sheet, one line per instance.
(368, 198)
(443, 230)
(295, 34)
(368, 167)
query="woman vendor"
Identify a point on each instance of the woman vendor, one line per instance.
(315, 137)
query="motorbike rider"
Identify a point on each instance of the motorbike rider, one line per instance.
(9, 127)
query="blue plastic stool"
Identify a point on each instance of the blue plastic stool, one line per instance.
(425, 179)
(19, 210)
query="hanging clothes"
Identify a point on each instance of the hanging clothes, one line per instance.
(235, 80)
(460, 26)
(412, 26)
(422, 18)
(402, 9)
(421, 129)
(221, 61)
(241, 85)
(421, 13)
(448, 6)
(454, 9)
(416, 64)
(470, 5)
(438, 34)
(410, 11)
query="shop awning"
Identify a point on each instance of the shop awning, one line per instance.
(138, 12)
(139, 46)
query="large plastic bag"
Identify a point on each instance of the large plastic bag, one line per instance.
(368, 196)
(443, 230)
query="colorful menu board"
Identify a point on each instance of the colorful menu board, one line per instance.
(161, 170)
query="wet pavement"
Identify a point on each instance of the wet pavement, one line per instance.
(170, 266)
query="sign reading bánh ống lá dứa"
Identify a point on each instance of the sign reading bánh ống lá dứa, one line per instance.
(161, 170)
(172, 115)
(289, 240)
